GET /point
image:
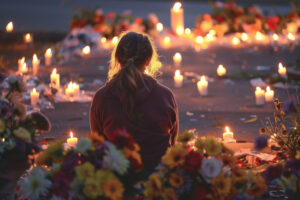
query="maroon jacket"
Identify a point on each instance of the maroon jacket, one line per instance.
(160, 118)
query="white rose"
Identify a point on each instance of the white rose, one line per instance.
(210, 168)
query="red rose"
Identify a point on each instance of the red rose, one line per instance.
(111, 15)
(98, 28)
(121, 138)
(198, 193)
(276, 19)
(97, 20)
(219, 19)
(138, 20)
(193, 161)
(82, 23)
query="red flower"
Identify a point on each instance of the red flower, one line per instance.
(292, 15)
(98, 28)
(193, 161)
(137, 166)
(198, 193)
(219, 19)
(121, 138)
(82, 23)
(111, 15)
(74, 23)
(138, 20)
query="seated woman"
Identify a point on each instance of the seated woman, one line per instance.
(133, 100)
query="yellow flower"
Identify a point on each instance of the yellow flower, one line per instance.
(258, 188)
(22, 134)
(169, 194)
(104, 175)
(96, 139)
(113, 189)
(175, 180)
(153, 186)
(85, 171)
(92, 188)
(52, 154)
(221, 185)
(2, 125)
(175, 156)
(239, 175)
(212, 146)
(132, 154)
(185, 136)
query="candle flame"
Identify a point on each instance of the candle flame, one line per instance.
(167, 39)
(177, 56)
(34, 58)
(21, 60)
(48, 52)
(268, 89)
(177, 6)
(177, 72)
(159, 27)
(28, 38)
(235, 41)
(187, 31)
(179, 30)
(275, 37)
(291, 36)
(258, 89)
(244, 37)
(258, 36)
(103, 40)
(202, 79)
(115, 40)
(34, 90)
(70, 85)
(54, 71)
(24, 67)
(209, 37)
(71, 134)
(199, 39)
(9, 27)
(227, 129)
(3, 139)
(86, 50)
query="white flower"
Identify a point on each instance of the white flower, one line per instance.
(115, 160)
(34, 184)
(211, 168)
(83, 145)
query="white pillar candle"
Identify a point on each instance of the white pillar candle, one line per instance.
(28, 38)
(166, 42)
(202, 86)
(178, 79)
(281, 70)
(70, 91)
(9, 27)
(34, 97)
(72, 141)
(48, 57)
(221, 71)
(177, 58)
(228, 135)
(35, 64)
(259, 96)
(55, 79)
(269, 95)
(159, 27)
(76, 89)
(177, 18)
(235, 41)
(86, 50)
(24, 69)
(21, 61)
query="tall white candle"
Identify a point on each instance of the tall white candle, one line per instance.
(48, 57)
(35, 64)
(34, 97)
(178, 79)
(9, 27)
(24, 69)
(259, 96)
(269, 94)
(70, 91)
(281, 70)
(21, 61)
(177, 58)
(202, 86)
(177, 18)
(221, 71)
(55, 79)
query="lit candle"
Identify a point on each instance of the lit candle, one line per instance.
(177, 58)
(21, 61)
(202, 86)
(228, 135)
(24, 69)
(178, 79)
(269, 94)
(55, 79)
(35, 64)
(159, 27)
(72, 141)
(28, 38)
(187, 31)
(259, 96)
(221, 71)
(166, 42)
(199, 40)
(177, 20)
(235, 41)
(34, 97)
(281, 70)
(275, 37)
(76, 89)
(48, 57)
(291, 36)
(86, 50)
(244, 37)
(259, 36)
(210, 37)
(70, 90)
(9, 27)
(115, 40)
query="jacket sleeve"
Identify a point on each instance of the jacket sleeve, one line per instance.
(175, 122)
(95, 117)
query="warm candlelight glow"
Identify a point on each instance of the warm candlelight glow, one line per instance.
(21, 61)
(177, 6)
(235, 41)
(210, 37)
(28, 38)
(177, 19)
(24, 68)
(259, 96)
(281, 69)
(34, 97)
(291, 36)
(275, 37)
(55, 79)
(86, 50)
(221, 71)
(35, 64)
(178, 79)
(179, 30)
(259, 36)
(72, 141)
(70, 90)
(9, 27)
(202, 86)
(103, 40)
(159, 27)
(269, 94)
(187, 31)
(199, 39)
(167, 42)
(244, 37)
(177, 58)
(115, 40)
(228, 135)
(76, 89)
(48, 57)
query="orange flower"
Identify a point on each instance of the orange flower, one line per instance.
(138, 20)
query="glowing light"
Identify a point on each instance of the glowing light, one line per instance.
(187, 31)
(86, 50)
(291, 36)
(235, 41)
(275, 37)
(159, 27)
(28, 38)
(179, 30)
(115, 40)
(9, 27)
(244, 37)
(177, 6)
(199, 39)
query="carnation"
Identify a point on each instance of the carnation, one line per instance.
(211, 168)
(115, 160)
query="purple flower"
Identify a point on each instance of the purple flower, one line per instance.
(261, 142)
(272, 173)
(243, 197)
(70, 163)
(289, 106)
(61, 184)
(6, 109)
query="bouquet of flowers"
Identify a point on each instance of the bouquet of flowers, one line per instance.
(207, 170)
(95, 169)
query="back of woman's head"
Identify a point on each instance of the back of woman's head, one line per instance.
(129, 59)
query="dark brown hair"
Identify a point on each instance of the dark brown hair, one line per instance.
(132, 53)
